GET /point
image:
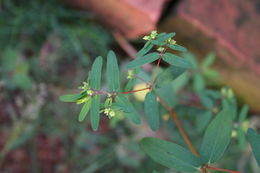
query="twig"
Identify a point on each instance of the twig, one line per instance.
(179, 126)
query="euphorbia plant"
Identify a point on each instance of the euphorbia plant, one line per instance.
(115, 100)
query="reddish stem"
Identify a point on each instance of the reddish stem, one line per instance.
(219, 169)
(179, 126)
(156, 70)
(134, 91)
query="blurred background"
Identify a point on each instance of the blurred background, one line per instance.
(47, 48)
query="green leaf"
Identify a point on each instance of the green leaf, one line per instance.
(163, 36)
(176, 60)
(22, 81)
(170, 155)
(128, 108)
(143, 60)
(147, 47)
(203, 120)
(94, 112)
(241, 132)
(95, 74)
(254, 140)
(230, 104)
(130, 84)
(151, 110)
(243, 113)
(198, 83)
(70, 97)
(167, 94)
(178, 48)
(168, 75)
(208, 61)
(84, 111)
(112, 72)
(216, 138)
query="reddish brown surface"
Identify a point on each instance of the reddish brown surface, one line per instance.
(131, 17)
(230, 28)
(235, 24)
(50, 156)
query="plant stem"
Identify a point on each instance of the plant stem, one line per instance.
(179, 126)
(134, 91)
(219, 169)
(157, 65)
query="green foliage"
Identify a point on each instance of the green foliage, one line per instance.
(167, 85)
(84, 111)
(144, 60)
(14, 70)
(176, 60)
(216, 138)
(254, 140)
(95, 73)
(130, 112)
(112, 72)
(170, 155)
(152, 110)
(94, 112)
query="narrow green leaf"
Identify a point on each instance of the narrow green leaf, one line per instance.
(168, 75)
(241, 132)
(151, 110)
(95, 74)
(143, 60)
(147, 47)
(241, 138)
(170, 155)
(70, 97)
(198, 83)
(176, 60)
(208, 61)
(84, 111)
(178, 48)
(216, 138)
(128, 108)
(112, 72)
(94, 112)
(243, 113)
(254, 140)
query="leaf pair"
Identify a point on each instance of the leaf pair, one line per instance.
(214, 144)
(167, 57)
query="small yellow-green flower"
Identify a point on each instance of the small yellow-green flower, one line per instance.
(130, 74)
(160, 49)
(109, 112)
(172, 42)
(147, 38)
(153, 34)
(85, 86)
(90, 92)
